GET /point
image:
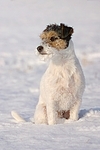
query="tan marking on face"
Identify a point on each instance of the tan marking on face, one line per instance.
(48, 35)
(59, 44)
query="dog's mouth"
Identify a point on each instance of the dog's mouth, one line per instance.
(42, 53)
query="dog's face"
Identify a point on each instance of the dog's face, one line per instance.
(54, 38)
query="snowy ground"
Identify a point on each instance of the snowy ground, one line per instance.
(21, 22)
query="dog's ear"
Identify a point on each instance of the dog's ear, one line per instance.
(71, 30)
(66, 31)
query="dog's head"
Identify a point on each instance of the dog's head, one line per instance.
(55, 38)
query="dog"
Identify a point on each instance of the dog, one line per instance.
(63, 83)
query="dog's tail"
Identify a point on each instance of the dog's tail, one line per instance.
(17, 117)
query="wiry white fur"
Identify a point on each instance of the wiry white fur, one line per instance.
(61, 87)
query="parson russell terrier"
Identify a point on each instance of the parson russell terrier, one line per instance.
(63, 83)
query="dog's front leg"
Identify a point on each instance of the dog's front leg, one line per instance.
(51, 113)
(40, 115)
(75, 110)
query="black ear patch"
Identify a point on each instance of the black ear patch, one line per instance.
(63, 31)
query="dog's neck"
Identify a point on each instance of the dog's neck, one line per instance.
(63, 64)
(64, 56)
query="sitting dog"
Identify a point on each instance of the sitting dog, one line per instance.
(63, 83)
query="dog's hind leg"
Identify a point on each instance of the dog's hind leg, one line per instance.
(75, 110)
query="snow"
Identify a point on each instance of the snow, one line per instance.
(21, 22)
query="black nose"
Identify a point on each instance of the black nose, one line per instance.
(40, 48)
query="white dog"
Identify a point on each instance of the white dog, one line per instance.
(63, 83)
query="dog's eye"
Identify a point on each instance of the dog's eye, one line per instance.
(53, 38)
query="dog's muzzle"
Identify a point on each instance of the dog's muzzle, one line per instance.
(40, 49)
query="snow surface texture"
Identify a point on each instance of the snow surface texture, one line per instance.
(21, 22)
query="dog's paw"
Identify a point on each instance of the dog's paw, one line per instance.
(52, 122)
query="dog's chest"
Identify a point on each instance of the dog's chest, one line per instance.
(57, 84)
(58, 75)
